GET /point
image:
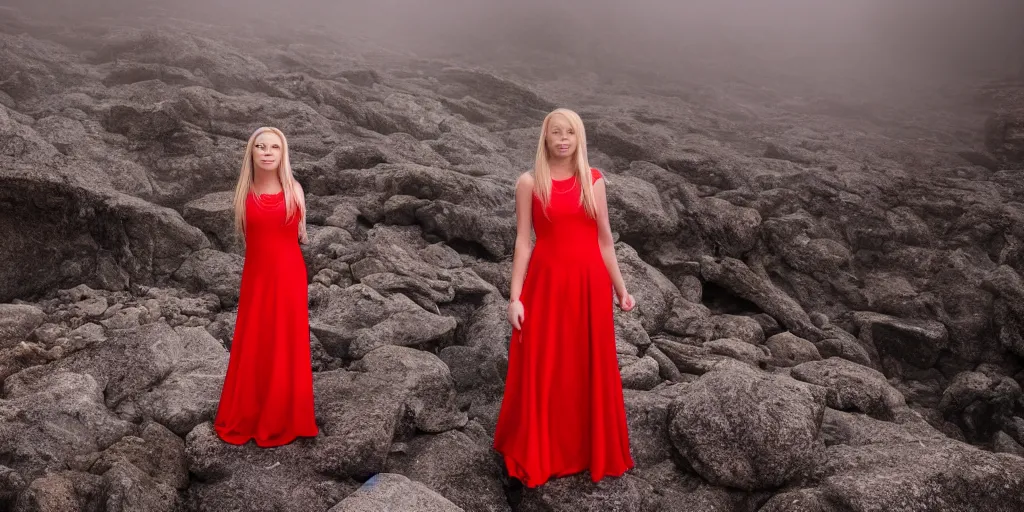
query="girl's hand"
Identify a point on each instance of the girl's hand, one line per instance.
(627, 302)
(516, 313)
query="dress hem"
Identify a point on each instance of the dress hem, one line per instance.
(240, 440)
(515, 470)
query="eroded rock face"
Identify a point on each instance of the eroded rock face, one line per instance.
(827, 314)
(879, 465)
(59, 234)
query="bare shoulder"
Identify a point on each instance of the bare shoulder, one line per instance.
(525, 181)
(298, 187)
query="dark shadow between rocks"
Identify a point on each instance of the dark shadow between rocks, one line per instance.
(723, 302)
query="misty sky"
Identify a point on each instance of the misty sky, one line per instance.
(956, 36)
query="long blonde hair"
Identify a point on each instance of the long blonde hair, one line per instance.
(542, 167)
(293, 200)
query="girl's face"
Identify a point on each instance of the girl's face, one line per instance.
(267, 151)
(560, 137)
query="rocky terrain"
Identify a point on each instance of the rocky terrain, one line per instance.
(831, 307)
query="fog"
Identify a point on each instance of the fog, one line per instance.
(933, 40)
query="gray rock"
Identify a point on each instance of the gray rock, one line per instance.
(17, 322)
(747, 430)
(852, 387)
(458, 465)
(577, 493)
(386, 491)
(788, 349)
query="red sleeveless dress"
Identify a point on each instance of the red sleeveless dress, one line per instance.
(563, 411)
(268, 389)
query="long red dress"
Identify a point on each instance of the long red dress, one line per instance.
(563, 410)
(268, 389)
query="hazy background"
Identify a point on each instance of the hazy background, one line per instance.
(927, 41)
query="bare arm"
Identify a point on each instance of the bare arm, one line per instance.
(300, 196)
(524, 226)
(605, 240)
